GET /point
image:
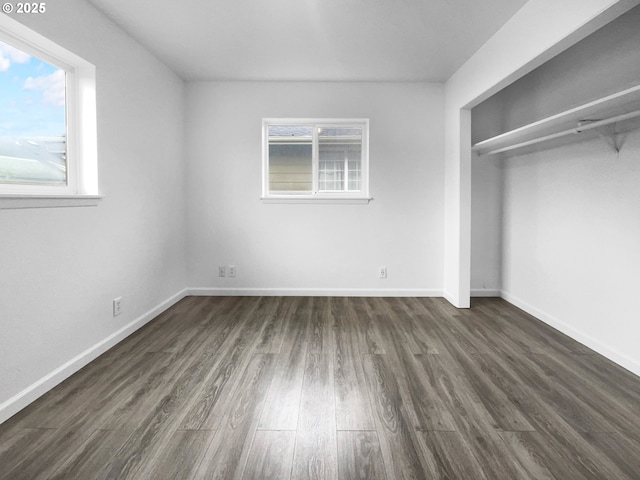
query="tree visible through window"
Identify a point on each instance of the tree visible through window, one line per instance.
(33, 125)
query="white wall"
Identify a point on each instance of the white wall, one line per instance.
(571, 242)
(60, 268)
(315, 248)
(486, 227)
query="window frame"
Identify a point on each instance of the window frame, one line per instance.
(316, 196)
(81, 135)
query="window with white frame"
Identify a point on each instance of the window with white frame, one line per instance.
(47, 117)
(315, 159)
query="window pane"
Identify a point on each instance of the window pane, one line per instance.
(32, 120)
(354, 169)
(290, 158)
(331, 170)
(339, 151)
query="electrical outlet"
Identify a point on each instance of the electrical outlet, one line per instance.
(232, 270)
(222, 271)
(382, 272)
(117, 306)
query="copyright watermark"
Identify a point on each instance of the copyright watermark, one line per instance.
(20, 7)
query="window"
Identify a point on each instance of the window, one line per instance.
(47, 117)
(315, 159)
(33, 122)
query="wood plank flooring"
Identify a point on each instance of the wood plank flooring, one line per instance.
(335, 388)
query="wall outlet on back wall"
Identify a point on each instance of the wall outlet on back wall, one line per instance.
(117, 306)
(227, 271)
(382, 272)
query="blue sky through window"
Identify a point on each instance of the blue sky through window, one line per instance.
(32, 120)
(32, 96)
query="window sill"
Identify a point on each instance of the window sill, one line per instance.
(13, 201)
(319, 200)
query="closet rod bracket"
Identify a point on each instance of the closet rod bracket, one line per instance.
(606, 131)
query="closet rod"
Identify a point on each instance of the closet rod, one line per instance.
(579, 129)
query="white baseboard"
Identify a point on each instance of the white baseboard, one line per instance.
(455, 300)
(46, 383)
(485, 292)
(316, 292)
(612, 354)
(449, 298)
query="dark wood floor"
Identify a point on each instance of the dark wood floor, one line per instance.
(327, 388)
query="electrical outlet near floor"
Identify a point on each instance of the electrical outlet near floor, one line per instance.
(117, 306)
(382, 272)
(232, 270)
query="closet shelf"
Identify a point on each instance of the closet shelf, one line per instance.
(618, 107)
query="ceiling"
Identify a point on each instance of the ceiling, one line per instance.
(333, 40)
